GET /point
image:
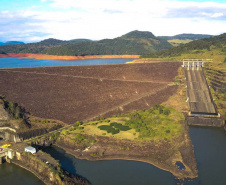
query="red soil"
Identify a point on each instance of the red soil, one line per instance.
(54, 57)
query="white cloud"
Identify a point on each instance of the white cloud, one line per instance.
(217, 15)
(98, 19)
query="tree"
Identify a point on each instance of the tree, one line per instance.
(17, 113)
(166, 112)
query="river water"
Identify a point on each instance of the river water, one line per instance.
(209, 145)
(210, 152)
(11, 174)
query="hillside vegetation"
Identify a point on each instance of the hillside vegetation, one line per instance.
(194, 47)
(186, 36)
(135, 42)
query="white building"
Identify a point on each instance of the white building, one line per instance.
(30, 149)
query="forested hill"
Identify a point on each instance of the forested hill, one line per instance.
(216, 42)
(11, 43)
(186, 36)
(135, 42)
(56, 42)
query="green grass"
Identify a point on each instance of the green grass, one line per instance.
(177, 42)
(157, 123)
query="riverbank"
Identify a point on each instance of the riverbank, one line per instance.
(163, 155)
(47, 169)
(55, 57)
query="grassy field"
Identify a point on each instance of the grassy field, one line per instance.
(91, 128)
(177, 42)
(157, 123)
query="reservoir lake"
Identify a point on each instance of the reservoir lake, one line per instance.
(209, 144)
(11, 62)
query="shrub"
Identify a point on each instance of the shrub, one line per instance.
(156, 107)
(166, 112)
(78, 123)
(94, 154)
(79, 138)
(115, 131)
(160, 110)
(114, 128)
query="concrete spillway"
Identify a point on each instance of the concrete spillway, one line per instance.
(199, 97)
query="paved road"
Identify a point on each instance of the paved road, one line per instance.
(200, 100)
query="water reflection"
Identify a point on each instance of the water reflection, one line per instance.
(11, 174)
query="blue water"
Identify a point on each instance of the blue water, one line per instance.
(113, 172)
(11, 62)
(210, 152)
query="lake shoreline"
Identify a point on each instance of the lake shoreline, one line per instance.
(66, 58)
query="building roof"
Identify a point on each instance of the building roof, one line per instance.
(30, 148)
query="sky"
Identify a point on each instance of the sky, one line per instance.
(35, 20)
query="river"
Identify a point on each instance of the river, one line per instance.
(11, 174)
(210, 152)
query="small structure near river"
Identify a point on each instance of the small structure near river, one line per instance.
(30, 149)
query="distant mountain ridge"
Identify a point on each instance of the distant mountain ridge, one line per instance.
(55, 42)
(132, 43)
(138, 35)
(11, 43)
(186, 36)
(135, 42)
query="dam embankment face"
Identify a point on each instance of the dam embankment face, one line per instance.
(77, 93)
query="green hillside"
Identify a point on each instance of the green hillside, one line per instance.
(181, 39)
(135, 42)
(194, 47)
(186, 36)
